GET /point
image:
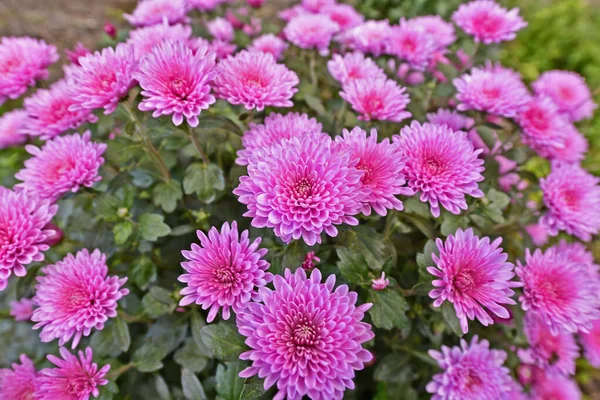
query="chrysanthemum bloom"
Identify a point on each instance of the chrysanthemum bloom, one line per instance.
(472, 371)
(22, 232)
(442, 165)
(142, 40)
(275, 128)
(555, 387)
(152, 12)
(377, 99)
(591, 344)
(311, 32)
(79, 51)
(22, 310)
(73, 378)
(309, 261)
(75, 296)
(301, 187)
(472, 273)
(569, 91)
(292, 12)
(578, 253)
(573, 148)
(204, 5)
(20, 382)
(255, 3)
(255, 80)
(305, 337)
(344, 15)
(353, 66)
(442, 31)
(539, 234)
(488, 22)
(11, 128)
(224, 271)
(269, 43)
(368, 37)
(23, 60)
(222, 49)
(315, 6)
(176, 81)
(383, 167)
(104, 78)
(411, 43)
(492, 89)
(571, 195)
(62, 165)
(220, 28)
(380, 283)
(562, 292)
(455, 120)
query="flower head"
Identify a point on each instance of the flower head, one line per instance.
(73, 378)
(380, 283)
(343, 14)
(269, 43)
(538, 234)
(22, 310)
(368, 37)
(591, 344)
(11, 128)
(309, 261)
(275, 128)
(142, 40)
(205, 5)
(315, 6)
(62, 165)
(472, 371)
(353, 66)
(224, 271)
(440, 30)
(20, 382)
(555, 387)
(75, 296)
(410, 42)
(488, 22)
(220, 28)
(377, 99)
(153, 12)
(455, 120)
(311, 31)
(79, 51)
(255, 80)
(305, 337)
(571, 195)
(572, 149)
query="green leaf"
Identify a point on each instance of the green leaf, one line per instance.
(253, 389)
(157, 302)
(148, 358)
(229, 384)
(161, 388)
(449, 315)
(103, 342)
(121, 334)
(122, 231)
(224, 341)
(488, 135)
(204, 180)
(315, 104)
(353, 266)
(167, 194)
(499, 199)
(105, 206)
(389, 309)
(375, 249)
(152, 227)
(189, 356)
(192, 388)
(141, 178)
(197, 324)
(142, 272)
(451, 223)
(163, 337)
(390, 367)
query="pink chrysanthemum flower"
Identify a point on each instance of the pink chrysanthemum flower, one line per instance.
(79, 51)
(75, 296)
(220, 28)
(472, 273)
(23, 60)
(153, 12)
(377, 99)
(222, 49)
(309, 261)
(368, 37)
(73, 378)
(569, 91)
(269, 43)
(455, 120)
(383, 169)
(205, 5)
(224, 271)
(142, 40)
(344, 15)
(472, 371)
(176, 81)
(572, 149)
(275, 128)
(290, 179)
(441, 31)
(571, 195)
(380, 283)
(11, 128)
(20, 382)
(311, 32)
(62, 165)
(488, 22)
(353, 66)
(305, 337)
(492, 89)
(49, 113)
(104, 78)
(539, 234)
(577, 253)
(442, 165)
(22, 310)
(315, 6)
(591, 344)
(555, 387)
(22, 232)
(562, 292)
(411, 43)
(255, 80)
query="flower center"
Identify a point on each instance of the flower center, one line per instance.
(303, 188)
(409, 45)
(486, 23)
(305, 334)
(9, 65)
(434, 166)
(566, 93)
(464, 281)
(492, 92)
(472, 379)
(571, 199)
(225, 276)
(179, 87)
(537, 117)
(366, 178)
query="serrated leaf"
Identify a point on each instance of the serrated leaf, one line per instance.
(499, 199)
(152, 227)
(353, 266)
(192, 388)
(389, 309)
(158, 302)
(224, 341)
(121, 334)
(375, 249)
(229, 384)
(167, 194)
(205, 180)
(449, 315)
(122, 232)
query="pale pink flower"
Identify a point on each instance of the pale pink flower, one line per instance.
(20, 382)
(315, 6)
(79, 51)
(11, 128)
(440, 30)
(22, 310)
(153, 12)
(205, 5)
(142, 40)
(220, 28)
(380, 283)
(455, 120)
(488, 22)
(410, 42)
(377, 99)
(368, 37)
(311, 32)
(554, 387)
(591, 344)
(353, 66)
(343, 14)
(269, 43)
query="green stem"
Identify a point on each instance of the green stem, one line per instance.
(313, 75)
(198, 146)
(113, 375)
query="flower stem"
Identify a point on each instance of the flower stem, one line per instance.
(113, 375)
(198, 146)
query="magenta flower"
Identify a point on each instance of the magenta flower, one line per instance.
(555, 387)
(22, 310)
(539, 234)
(343, 14)
(562, 292)
(11, 128)
(255, 80)
(377, 99)
(75, 296)
(455, 120)
(380, 283)
(383, 167)
(301, 187)
(104, 78)
(73, 378)
(472, 273)
(311, 32)
(22, 232)
(224, 271)
(368, 37)
(591, 344)
(488, 22)
(205, 5)
(23, 61)
(472, 371)
(142, 40)
(310, 260)
(353, 66)
(492, 89)
(305, 337)
(411, 43)
(62, 165)
(275, 128)
(153, 12)
(569, 91)
(572, 149)
(222, 49)
(79, 51)
(577, 252)
(220, 28)
(441, 164)
(315, 6)
(269, 43)
(571, 195)
(176, 81)
(440, 30)
(20, 382)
